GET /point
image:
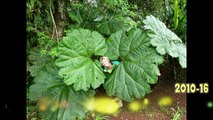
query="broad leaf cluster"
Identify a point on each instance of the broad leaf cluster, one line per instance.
(76, 71)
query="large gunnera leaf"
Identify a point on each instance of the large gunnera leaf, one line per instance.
(77, 67)
(57, 100)
(38, 62)
(165, 40)
(138, 68)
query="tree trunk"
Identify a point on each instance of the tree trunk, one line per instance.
(60, 17)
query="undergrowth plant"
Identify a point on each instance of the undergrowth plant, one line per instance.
(76, 72)
(101, 117)
(178, 114)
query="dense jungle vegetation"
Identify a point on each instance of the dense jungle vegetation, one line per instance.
(67, 38)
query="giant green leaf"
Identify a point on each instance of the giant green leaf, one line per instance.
(138, 68)
(38, 61)
(76, 51)
(48, 77)
(49, 85)
(165, 40)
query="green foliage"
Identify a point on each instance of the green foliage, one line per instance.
(73, 107)
(38, 20)
(69, 70)
(176, 17)
(31, 112)
(115, 6)
(178, 114)
(75, 59)
(101, 117)
(150, 7)
(138, 67)
(176, 11)
(47, 45)
(37, 62)
(111, 16)
(49, 84)
(38, 14)
(81, 14)
(111, 25)
(46, 77)
(179, 13)
(165, 40)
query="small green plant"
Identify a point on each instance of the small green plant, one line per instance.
(177, 115)
(175, 15)
(101, 117)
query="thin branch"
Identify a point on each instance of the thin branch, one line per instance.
(54, 25)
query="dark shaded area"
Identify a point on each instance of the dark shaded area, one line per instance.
(199, 60)
(13, 94)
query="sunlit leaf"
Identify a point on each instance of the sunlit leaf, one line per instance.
(165, 40)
